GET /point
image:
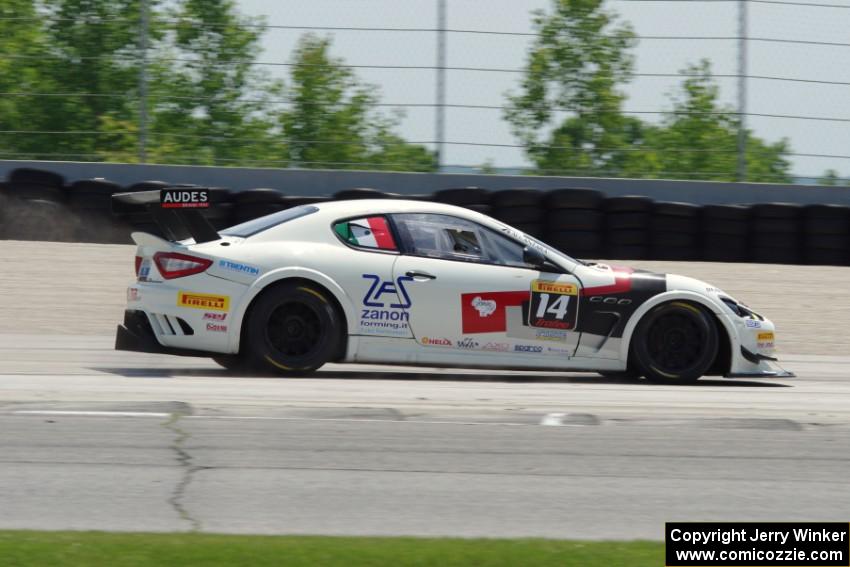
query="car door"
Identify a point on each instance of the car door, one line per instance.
(369, 280)
(469, 289)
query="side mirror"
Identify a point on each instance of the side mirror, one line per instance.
(533, 257)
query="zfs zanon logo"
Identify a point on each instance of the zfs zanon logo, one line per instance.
(385, 300)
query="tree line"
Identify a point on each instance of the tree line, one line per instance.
(72, 69)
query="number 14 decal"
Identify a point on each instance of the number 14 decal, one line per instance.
(553, 305)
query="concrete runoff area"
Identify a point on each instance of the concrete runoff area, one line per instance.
(98, 439)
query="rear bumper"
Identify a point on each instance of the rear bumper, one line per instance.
(136, 335)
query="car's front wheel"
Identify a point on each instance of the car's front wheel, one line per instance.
(675, 343)
(293, 329)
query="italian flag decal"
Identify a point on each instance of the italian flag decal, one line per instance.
(371, 232)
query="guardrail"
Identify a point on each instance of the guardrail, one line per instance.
(39, 205)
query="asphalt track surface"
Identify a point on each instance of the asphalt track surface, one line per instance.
(91, 438)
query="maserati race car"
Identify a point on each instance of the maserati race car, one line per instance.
(417, 283)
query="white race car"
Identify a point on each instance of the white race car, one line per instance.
(418, 283)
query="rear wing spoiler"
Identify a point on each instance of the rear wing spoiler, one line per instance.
(176, 210)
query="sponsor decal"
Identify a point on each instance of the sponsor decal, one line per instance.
(528, 348)
(184, 198)
(237, 267)
(484, 312)
(557, 350)
(215, 316)
(216, 328)
(383, 311)
(430, 341)
(765, 340)
(550, 335)
(207, 301)
(553, 287)
(145, 271)
(753, 324)
(496, 347)
(553, 305)
(467, 343)
(133, 294)
(610, 300)
(485, 307)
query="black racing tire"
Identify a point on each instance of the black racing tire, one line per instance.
(725, 226)
(362, 193)
(777, 211)
(462, 196)
(675, 209)
(293, 329)
(626, 252)
(669, 223)
(627, 220)
(710, 213)
(827, 241)
(677, 253)
(628, 237)
(628, 204)
(519, 214)
(516, 198)
(675, 343)
(673, 239)
(574, 219)
(573, 199)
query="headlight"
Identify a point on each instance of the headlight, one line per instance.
(740, 309)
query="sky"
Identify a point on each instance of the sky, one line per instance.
(716, 18)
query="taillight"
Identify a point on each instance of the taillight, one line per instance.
(174, 265)
(138, 265)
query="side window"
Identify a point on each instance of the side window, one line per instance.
(440, 236)
(452, 238)
(367, 232)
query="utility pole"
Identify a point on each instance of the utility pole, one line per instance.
(143, 80)
(440, 128)
(742, 90)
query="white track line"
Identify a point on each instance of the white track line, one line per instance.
(92, 413)
(553, 419)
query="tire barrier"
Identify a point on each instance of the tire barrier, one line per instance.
(584, 223)
(575, 221)
(725, 232)
(627, 223)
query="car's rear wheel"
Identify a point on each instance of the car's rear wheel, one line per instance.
(675, 343)
(293, 329)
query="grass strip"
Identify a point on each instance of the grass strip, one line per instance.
(96, 549)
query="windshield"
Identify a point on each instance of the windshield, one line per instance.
(255, 226)
(529, 240)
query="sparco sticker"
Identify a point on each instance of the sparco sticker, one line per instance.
(184, 198)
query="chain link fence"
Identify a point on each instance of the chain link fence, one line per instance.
(778, 65)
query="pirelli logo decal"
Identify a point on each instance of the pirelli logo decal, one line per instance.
(540, 286)
(207, 301)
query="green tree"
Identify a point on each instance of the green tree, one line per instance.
(568, 114)
(698, 138)
(332, 122)
(577, 65)
(208, 101)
